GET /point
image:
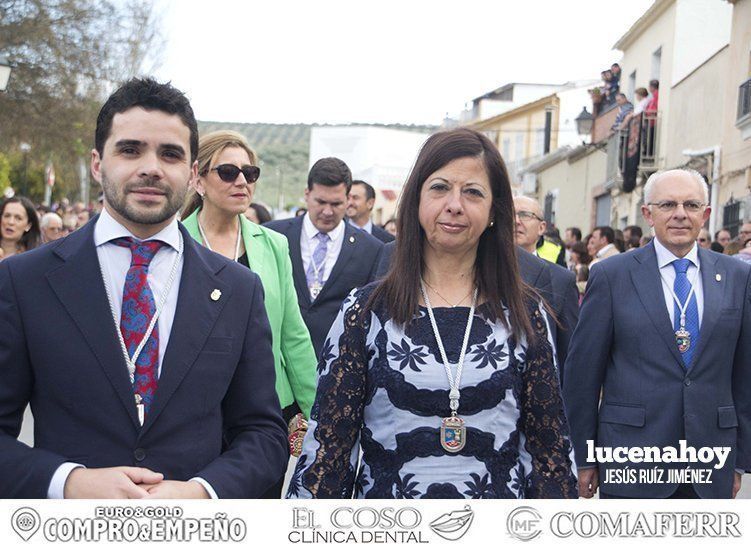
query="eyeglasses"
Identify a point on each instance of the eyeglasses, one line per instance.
(229, 172)
(689, 206)
(528, 216)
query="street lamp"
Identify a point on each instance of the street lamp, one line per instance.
(25, 148)
(4, 73)
(584, 122)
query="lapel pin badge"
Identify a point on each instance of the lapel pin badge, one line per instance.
(216, 294)
(351, 239)
(718, 277)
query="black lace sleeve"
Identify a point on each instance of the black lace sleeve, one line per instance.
(326, 467)
(543, 421)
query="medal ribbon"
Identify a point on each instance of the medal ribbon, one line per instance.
(453, 381)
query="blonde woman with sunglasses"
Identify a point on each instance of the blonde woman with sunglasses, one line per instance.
(228, 173)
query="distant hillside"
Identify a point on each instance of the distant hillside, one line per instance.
(283, 150)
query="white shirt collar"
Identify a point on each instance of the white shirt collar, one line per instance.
(367, 227)
(666, 257)
(311, 231)
(108, 229)
(604, 250)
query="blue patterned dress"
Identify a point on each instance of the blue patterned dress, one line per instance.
(383, 390)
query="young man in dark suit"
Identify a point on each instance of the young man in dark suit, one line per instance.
(360, 204)
(153, 375)
(329, 256)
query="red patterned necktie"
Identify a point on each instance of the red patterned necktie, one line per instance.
(138, 309)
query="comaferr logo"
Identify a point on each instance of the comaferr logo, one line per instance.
(524, 523)
(454, 525)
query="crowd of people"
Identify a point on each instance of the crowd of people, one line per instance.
(190, 358)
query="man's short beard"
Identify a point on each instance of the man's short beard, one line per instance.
(116, 198)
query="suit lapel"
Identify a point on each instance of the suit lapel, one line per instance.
(648, 285)
(79, 285)
(713, 291)
(195, 316)
(294, 233)
(351, 237)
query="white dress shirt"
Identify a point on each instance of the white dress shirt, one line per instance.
(309, 242)
(665, 262)
(604, 250)
(115, 262)
(367, 227)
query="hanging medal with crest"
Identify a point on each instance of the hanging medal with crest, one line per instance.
(453, 432)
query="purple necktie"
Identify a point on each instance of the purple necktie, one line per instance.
(314, 273)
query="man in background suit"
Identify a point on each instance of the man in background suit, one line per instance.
(192, 414)
(603, 243)
(560, 290)
(360, 204)
(329, 256)
(638, 375)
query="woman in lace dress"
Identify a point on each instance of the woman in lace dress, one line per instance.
(439, 382)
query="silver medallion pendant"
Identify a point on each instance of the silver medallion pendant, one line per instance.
(683, 340)
(453, 434)
(315, 290)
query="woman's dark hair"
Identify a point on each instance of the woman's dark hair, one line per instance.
(496, 268)
(580, 248)
(263, 215)
(33, 237)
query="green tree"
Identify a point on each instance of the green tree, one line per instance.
(67, 55)
(4, 172)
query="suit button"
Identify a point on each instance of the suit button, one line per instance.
(687, 382)
(139, 454)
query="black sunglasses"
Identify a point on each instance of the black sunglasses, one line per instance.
(229, 172)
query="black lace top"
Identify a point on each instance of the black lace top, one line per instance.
(383, 391)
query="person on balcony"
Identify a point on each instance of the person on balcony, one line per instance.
(642, 99)
(624, 108)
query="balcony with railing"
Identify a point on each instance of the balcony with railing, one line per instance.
(743, 119)
(633, 149)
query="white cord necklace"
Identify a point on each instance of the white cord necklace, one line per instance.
(131, 361)
(682, 336)
(206, 240)
(453, 431)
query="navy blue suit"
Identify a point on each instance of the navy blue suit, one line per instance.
(215, 414)
(356, 266)
(382, 234)
(555, 284)
(626, 384)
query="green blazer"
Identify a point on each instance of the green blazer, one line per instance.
(294, 357)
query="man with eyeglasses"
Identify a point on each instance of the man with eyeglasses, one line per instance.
(530, 227)
(662, 353)
(745, 233)
(51, 226)
(705, 242)
(556, 284)
(723, 237)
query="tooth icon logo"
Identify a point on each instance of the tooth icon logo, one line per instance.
(25, 522)
(454, 525)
